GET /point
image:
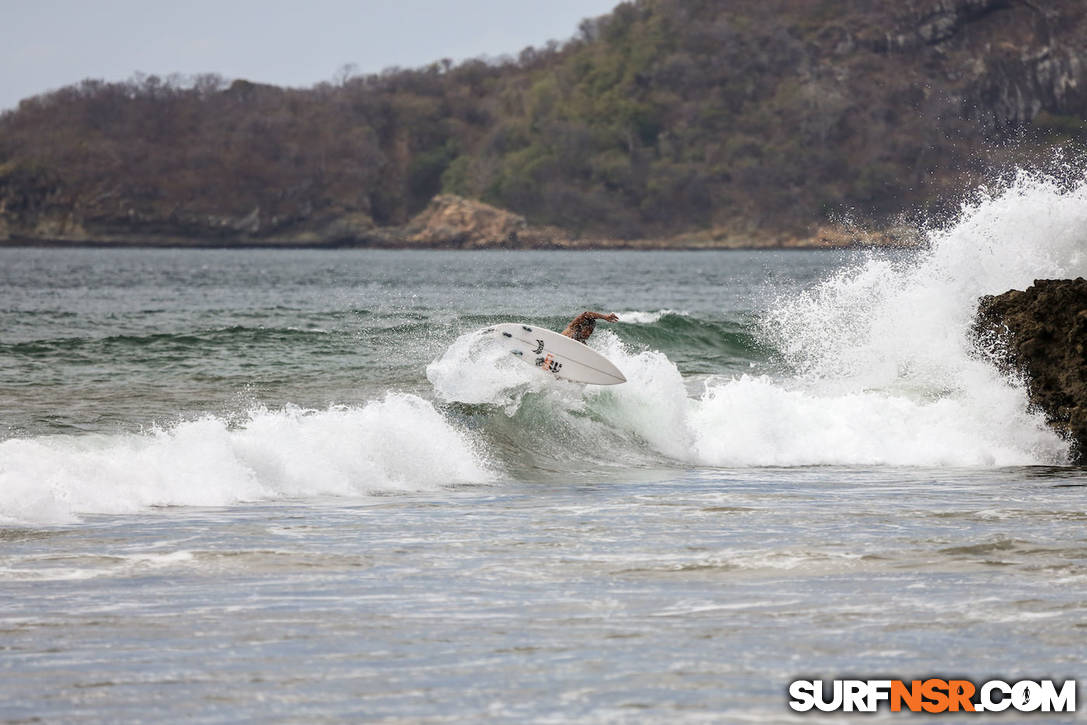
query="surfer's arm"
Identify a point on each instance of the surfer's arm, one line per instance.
(582, 326)
(597, 316)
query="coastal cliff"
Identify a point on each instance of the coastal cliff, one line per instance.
(1041, 333)
(664, 123)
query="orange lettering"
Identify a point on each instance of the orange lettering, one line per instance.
(910, 695)
(959, 694)
(934, 691)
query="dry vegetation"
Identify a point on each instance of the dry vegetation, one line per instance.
(663, 118)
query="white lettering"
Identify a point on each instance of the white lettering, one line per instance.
(992, 696)
(1026, 696)
(987, 703)
(803, 694)
(878, 691)
(835, 702)
(1063, 701)
(853, 696)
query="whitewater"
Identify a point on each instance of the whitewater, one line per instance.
(876, 366)
(274, 450)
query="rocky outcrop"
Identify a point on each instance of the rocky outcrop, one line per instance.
(942, 20)
(1002, 62)
(448, 222)
(453, 221)
(1042, 333)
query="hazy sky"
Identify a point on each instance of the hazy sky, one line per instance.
(46, 44)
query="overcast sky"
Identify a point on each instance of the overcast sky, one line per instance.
(47, 44)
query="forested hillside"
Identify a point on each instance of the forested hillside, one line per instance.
(738, 119)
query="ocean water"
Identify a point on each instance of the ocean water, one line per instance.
(292, 486)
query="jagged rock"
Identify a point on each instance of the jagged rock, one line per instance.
(451, 220)
(1042, 333)
(1006, 60)
(945, 18)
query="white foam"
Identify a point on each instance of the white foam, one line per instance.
(398, 443)
(759, 421)
(892, 343)
(653, 403)
(888, 369)
(475, 370)
(882, 324)
(637, 317)
(755, 421)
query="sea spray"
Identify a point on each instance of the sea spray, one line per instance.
(642, 317)
(653, 403)
(907, 322)
(536, 420)
(903, 329)
(884, 367)
(764, 421)
(398, 443)
(476, 372)
(759, 420)
(755, 421)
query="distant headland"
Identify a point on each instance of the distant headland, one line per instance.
(448, 222)
(664, 124)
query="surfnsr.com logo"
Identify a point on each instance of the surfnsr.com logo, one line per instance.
(932, 695)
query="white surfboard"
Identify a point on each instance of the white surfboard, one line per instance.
(557, 354)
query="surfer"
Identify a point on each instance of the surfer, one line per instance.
(583, 325)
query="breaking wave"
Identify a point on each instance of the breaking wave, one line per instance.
(398, 443)
(883, 367)
(875, 365)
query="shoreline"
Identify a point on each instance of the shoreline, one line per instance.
(448, 222)
(337, 247)
(647, 245)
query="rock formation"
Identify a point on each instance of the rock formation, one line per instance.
(1042, 333)
(453, 221)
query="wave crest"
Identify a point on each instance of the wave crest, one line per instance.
(398, 443)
